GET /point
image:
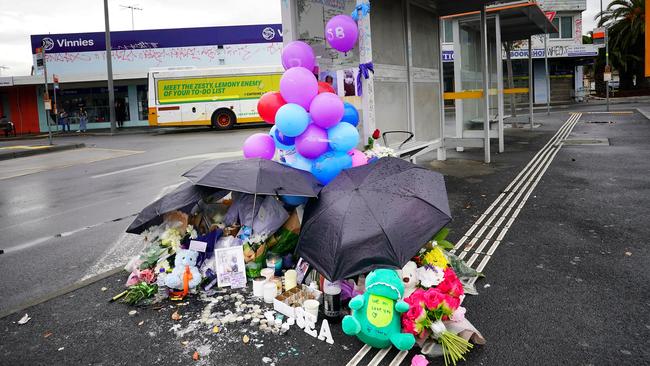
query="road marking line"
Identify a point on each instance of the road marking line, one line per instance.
(524, 184)
(222, 155)
(547, 162)
(379, 356)
(399, 358)
(359, 356)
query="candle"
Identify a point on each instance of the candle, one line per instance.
(258, 286)
(270, 292)
(278, 285)
(290, 279)
(268, 273)
(274, 261)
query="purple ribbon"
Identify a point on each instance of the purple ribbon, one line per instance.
(364, 69)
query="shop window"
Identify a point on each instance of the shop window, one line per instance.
(95, 101)
(564, 26)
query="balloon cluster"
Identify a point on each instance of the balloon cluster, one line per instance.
(315, 130)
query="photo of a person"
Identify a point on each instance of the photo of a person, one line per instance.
(330, 78)
(347, 80)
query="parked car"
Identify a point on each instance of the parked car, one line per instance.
(7, 126)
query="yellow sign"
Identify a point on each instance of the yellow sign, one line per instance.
(380, 310)
(205, 89)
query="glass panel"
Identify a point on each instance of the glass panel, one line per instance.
(143, 103)
(449, 31)
(556, 23)
(566, 27)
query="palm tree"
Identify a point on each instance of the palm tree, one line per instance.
(625, 21)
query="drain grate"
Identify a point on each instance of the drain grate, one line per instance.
(586, 142)
(601, 122)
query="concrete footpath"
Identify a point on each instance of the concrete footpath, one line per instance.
(21, 151)
(568, 283)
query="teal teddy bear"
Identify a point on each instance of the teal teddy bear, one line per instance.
(376, 315)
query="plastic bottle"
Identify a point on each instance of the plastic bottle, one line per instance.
(332, 301)
(163, 292)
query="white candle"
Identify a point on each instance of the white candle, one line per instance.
(290, 279)
(270, 291)
(258, 286)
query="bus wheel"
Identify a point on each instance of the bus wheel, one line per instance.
(223, 119)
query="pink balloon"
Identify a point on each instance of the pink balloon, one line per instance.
(298, 54)
(313, 142)
(259, 145)
(326, 109)
(298, 85)
(358, 158)
(342, 32)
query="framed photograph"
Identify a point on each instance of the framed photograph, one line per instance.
(230, 270)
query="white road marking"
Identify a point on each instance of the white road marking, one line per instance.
(379, 356)
(523, 185)
(222, 155)
(399, 358)
(359, 356)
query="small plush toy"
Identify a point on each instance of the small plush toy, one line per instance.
(185, 275)
(410, 278)
(376, 314)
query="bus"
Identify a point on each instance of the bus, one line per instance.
(218, 97)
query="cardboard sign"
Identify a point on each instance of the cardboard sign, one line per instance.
(199, 246)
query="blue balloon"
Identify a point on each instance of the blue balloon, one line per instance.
(350, 114)
(294, 200)
(343, 136)
(278, 144)
(327, 166)
(284, 140)
(299, 162)
(291, 119)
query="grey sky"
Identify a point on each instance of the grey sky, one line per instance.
(20, 19)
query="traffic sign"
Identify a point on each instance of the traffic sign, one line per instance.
(599, 36)
(550, 15)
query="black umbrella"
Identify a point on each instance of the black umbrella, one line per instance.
(183, 198)
(373, 216)
(255, 176)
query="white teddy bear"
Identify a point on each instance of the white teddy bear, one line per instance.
(409, 275)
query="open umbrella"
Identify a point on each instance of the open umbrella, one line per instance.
(255, 176)
(183, 198)
(373, 216)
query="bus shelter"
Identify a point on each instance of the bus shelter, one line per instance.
(478, 66)
(394, 74)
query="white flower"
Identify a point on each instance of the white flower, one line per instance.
(190, 230)
(171, 238)
(380, 151)
(430, 276)
(458, 314)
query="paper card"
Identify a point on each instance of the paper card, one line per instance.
(231, 270)
(199, 246)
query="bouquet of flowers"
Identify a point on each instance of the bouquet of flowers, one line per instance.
(437, 299)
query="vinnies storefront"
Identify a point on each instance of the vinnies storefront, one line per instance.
(79, 62)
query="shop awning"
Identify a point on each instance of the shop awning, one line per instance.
(448, 7)
(518, 20)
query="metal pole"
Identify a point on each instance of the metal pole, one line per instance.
(500, 96)
(486, 87)
(109, 69)
(46, 94)
(530, 81)
(442, 152)
(607, 66)
(547, 79)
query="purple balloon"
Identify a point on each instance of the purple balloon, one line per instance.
(342, 33)
(298, 54)
(313, 142)
(298, 85)
(259, 145)
(326, 110)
